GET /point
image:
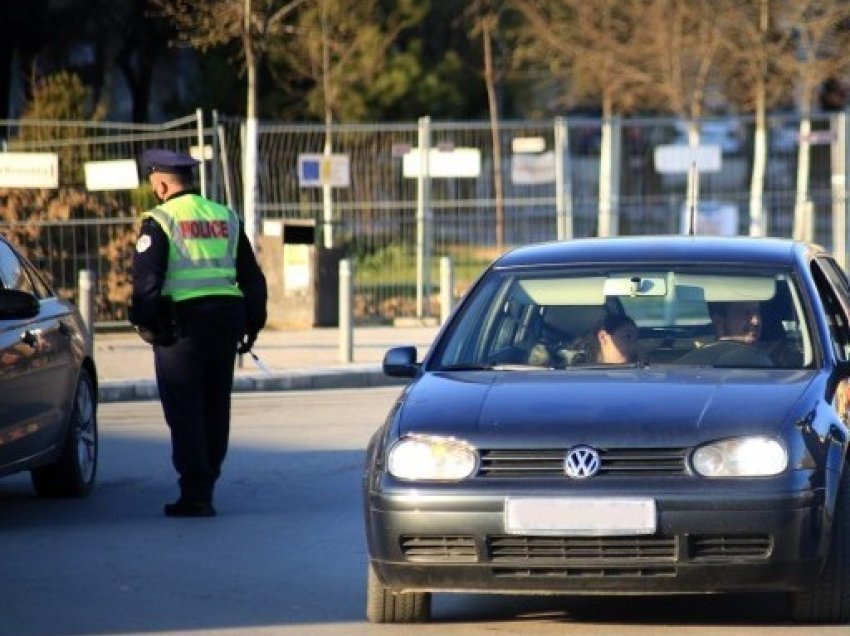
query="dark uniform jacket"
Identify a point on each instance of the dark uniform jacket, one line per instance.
(156, 314)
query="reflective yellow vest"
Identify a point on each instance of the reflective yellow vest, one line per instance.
(203, 236)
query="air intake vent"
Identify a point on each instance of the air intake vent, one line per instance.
(439, 549)
(556, 550)
(723, 547)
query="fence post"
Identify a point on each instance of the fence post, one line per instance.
(609, 178)
(86, 283)
(346, 347)
(423, 218)
(215, 173)
(202, 169)
(839, 189)
(563, 181)
(249, 179)
(446, 288)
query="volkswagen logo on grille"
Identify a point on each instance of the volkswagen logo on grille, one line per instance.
(581, 462)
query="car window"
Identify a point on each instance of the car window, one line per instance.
(40, 288)
(12, 271)
(832, 289)
(690, 316)
(16, 273)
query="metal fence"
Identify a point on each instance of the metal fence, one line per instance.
(380, 220)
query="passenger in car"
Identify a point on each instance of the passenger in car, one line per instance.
(613, 340)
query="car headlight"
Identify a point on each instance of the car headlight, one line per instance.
(741, 457)
(426, 457)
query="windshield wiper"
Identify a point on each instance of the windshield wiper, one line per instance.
(609, 366)
(508, 366)
(467, 366)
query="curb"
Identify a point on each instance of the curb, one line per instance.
(349, 377)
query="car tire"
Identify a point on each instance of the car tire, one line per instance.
(73, 472)
(829, 600)
(385, 606)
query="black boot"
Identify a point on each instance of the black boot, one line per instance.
(185, 508)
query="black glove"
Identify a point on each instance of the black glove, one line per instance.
(246, 343)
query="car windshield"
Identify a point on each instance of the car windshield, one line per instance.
(618, 317)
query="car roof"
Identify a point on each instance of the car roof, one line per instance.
(661, 249)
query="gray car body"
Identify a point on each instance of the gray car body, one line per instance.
(719, 535)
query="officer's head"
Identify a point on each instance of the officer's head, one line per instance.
(168, 172)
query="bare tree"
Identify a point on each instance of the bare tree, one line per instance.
(485, 15)
(822, 38)
(592, 46)
(337, 46)
(757, 68)
(204, 24)
(595, 48)
(254, 24)
(682, 41)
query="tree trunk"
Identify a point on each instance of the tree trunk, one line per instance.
(490, 81)
(249, 166)
(758, 224)
(803, 209)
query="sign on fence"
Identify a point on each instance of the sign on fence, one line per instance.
(528, 169)
(120, 174)
(675, 158)
(459, 163)
(316, 170)
(29, 170)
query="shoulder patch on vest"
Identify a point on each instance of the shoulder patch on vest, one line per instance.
(143, 243)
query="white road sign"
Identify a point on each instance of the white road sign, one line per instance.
(29, 170)
(678, 158)
(121, 174)
(459, 163)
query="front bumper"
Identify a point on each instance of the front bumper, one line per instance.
(425, 539)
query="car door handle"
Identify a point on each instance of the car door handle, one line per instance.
(30, 338)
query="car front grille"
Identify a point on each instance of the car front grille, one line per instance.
(552, 550)
(631, 462)
(535, 556)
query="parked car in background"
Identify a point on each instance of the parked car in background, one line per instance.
(707, 452)
(48, 384)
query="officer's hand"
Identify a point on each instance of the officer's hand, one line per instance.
(246, 343)
(145, 334)
(155, 337)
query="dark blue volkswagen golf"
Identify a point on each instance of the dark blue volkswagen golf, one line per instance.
(623, 416)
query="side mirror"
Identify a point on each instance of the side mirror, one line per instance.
(400, 362)
(17, 305)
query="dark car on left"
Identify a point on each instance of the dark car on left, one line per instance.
(48, 384)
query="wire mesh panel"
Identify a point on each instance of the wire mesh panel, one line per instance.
(67, 229)
(376, 218)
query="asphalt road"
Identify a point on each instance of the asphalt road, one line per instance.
(286, 555)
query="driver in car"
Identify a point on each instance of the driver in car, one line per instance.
(736, 321)
(737, 325)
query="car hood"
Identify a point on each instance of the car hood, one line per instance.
(619, 406)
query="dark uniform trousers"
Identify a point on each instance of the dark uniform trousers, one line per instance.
(195, 377)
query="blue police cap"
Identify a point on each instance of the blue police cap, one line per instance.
(160, 160)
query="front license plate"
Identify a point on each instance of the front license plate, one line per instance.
(575, 516)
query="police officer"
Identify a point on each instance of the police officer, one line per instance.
(199, 297)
